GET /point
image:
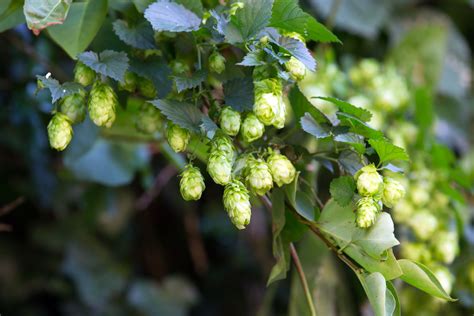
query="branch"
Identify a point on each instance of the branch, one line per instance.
(304, 282)
(161, 180)
(11, 206)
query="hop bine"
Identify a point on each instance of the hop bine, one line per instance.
(102, 104)
(59, 131)
(237, 204)
(251, 129)
(369, 181)
(192, 183)
(281, 169)
(74, 106)
(367, 209)
(216, 62)
(393, 192)
(178, 137)
(258, 176)
(230, 121)
(83, 74)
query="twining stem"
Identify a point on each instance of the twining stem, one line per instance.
(304, 282)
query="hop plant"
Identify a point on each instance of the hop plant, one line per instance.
(148, 119)
(219, 167)
(216, 62)
(223, 144)
(230, 121)
(192, 183)
(236, 201)
(369, 181)
(366, 213)
(146, 88)
(59, 131)
(281, 169)
(74, 106)
(268, 99)
(129, 82)
(177, 137)
(258, 176)
(102, 104)
(296, 69)
(251, 129)
(393, 191)
(83, 74)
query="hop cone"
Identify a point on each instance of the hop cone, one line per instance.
(282, 170)
(424, 224)
(393, 191)
(230, 121)
(237, 203)
(279, 121)
(191, 184)
(146, 88)
(446, 246)
(102, 104)
(219, 167)
(223, 144)
(129, 82)
(74, 106)
(59, 131)
(258, 176)
(83, 74)
(268, 96)
(216, 62)
(178, 137)
(296, 69)
(369, 181)
(367, 209)
(251, 129)
(148, 119)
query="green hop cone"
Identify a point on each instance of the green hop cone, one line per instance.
(219, 167)
(446, 246)
(223, 144)
(129, 82)
(148, 119)
(83, 74)
(424, 224)
(294, 35)
(230, 121)
(192, 183)
(74, 106)
(367, 209)
(59, 131)
(296, 69)
(146, 88)
(102, 104)
(178, 137)
(268, 99)
(279, 121)
(234, 7)
(237, 203)
(393, 191)
(258, 176)
(216, 62)
(281, 169)
(251, 129)
(369, 181)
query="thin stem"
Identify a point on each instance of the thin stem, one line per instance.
(304, 282)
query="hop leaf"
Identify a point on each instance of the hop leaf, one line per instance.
(192, 183)
(251, 129)
(74, 106)
(178, 137)
(393, 191)
(237, 204)
(230, 121)
(59, 131)
(216, 62)
(282, 170)
(83, 74)
(367, 209)
(369, 181)
(258, 176)
(102, 104)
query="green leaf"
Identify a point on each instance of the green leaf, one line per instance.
(419, 276)
(157, 71)
(169, 16)
(281, 250)
(310, 126)
(249, 21)
(183, 114)
(388, 151)
(108, 63)
(382, 301)
(393, 290)
(378, 238)
(337, 221)
(83, 22)
(357, 126)
(360, 113)
(355, 140)
(189, 82)
(40, 14)
(141, 5)
(239, 94)
(294, 47)
(58, 90)
(351, 161)
(300, 201)
(389, 267)
(301, 105)
(193, 5)
(253, 58)
(342, 190)
(287, 15)
(208, 127)
(12, 15)
(138, 36)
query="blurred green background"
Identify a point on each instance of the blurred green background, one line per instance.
(102, 229)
